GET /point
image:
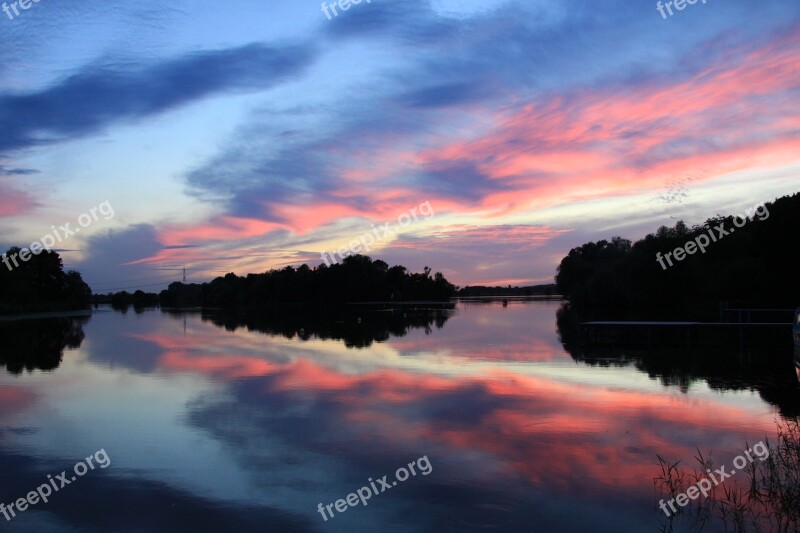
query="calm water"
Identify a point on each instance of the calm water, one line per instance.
(221, 423)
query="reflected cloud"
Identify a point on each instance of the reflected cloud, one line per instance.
(582, 433)
(769, 372)
(306, 419)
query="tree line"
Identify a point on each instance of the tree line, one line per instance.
(40, 284)
(356, 279)
(476, 291)
(755, 265)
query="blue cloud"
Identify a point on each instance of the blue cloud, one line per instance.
(101, 95)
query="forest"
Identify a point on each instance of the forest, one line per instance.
(40, 284)
(754, 265)
(356, 279)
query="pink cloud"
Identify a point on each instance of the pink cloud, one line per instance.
(740, 114)
(14, 202)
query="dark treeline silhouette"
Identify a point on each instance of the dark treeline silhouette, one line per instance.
(121, 301)
(38, 344)
(40, 284)
(757, 263)
(532, 290)
(357, 279)
(358, 326)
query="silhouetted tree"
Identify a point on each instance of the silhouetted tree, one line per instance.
(756, 262)
(41, 284)
(356, 279)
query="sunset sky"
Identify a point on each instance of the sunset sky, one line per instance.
(253, 134)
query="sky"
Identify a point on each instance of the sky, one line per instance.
(482, 139)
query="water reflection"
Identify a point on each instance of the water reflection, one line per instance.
(770, 372)
(218, 420)
(358, 325)
(38, 344)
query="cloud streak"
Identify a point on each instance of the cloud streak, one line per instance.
(101, 95)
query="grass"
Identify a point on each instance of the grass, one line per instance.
(766, 498)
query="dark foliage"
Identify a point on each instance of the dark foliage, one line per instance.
(121, 301)
(533, 290)
(757, 263)
(765, 498)
(357, 279)
(40, 284)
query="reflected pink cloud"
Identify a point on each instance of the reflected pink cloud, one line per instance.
(522, 333)
(15, 400)
(567, 435)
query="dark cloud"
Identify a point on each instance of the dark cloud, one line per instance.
(17, 171)
(107, 255)
(517, 53)
(100, 95)
(461, 180)
(412, 22)
(445, 94)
